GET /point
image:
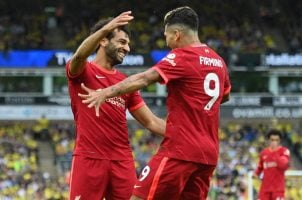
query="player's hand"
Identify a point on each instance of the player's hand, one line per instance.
(93, 98)
(121, 20)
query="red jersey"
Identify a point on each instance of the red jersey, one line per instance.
(272, 163)
(196, 78)
(106, 136)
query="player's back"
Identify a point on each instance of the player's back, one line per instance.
(198, 79)
(203, 78)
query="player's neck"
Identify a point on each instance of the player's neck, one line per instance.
(190, 41)
(102, 62)
(274, 148)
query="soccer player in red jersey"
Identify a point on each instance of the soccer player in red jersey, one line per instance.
(273, 162)
(102, 164)
(198, 82)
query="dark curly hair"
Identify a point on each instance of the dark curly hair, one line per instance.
(274, 132)
(183, 15)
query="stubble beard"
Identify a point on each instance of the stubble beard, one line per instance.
(112, 53)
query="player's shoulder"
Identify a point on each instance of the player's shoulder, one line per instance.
(90, 65)
(121, 74)
(284, 150)
(177, 52)
(173, 57)
(191, 50)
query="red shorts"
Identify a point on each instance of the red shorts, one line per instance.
(271, 196)
(167, 178)
(95, 179)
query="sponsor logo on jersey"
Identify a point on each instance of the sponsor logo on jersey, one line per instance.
(170, 59)
(171, 56)
(117, 101)
(269, 164)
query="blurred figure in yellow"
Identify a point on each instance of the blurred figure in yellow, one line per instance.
(41, 127)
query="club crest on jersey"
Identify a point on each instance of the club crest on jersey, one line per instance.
(170, 59)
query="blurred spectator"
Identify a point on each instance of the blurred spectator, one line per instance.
(20, 177)
(41, 127)
(222, 28)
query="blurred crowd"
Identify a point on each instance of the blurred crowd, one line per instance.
(240, 26)
(20, 174)
(22, 178)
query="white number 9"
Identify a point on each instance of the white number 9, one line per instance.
(144, 173)
(214, 93)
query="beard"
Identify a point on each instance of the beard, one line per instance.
(112, 53)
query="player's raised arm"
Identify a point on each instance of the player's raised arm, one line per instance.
(91, 43)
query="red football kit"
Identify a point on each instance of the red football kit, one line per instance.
(273, 165)
(196, 79)
(102, 158)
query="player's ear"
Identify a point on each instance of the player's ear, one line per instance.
(104, 42)
(177, 34)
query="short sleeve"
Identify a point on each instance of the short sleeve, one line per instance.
(135, 101)
(71, 77)
(171, 66)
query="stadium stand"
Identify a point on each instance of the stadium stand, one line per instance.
(23, 179)
(221, 26)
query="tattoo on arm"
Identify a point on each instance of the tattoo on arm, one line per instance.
(133, 83)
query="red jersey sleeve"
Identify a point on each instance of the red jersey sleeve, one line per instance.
(170, 67)
(71, 77)
(135, 101)
(283, 159)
